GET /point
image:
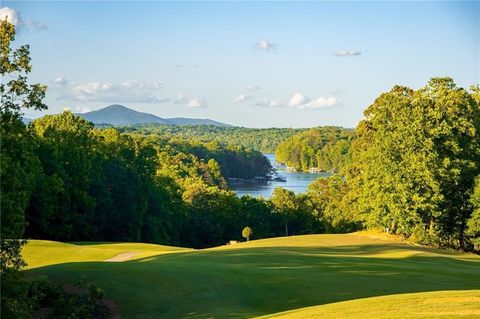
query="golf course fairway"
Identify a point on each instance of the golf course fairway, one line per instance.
(358, 275)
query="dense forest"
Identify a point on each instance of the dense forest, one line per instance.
(91, 184)
(414, 162)
(324, 148)
(234, 161)
(264, 140)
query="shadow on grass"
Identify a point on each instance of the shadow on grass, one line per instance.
(241, 283)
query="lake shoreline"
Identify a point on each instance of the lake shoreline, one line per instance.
(293, 181)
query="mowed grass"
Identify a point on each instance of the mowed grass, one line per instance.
(434, 305)
(268, 276)
(38, 253)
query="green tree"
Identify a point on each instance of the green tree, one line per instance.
(247, 232)
(295, 211)
(19, 165)
(414, 162)
(325, 148)
(473, 223)
(331, 205)
(62, 207)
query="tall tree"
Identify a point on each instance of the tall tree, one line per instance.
(295, 210)
(19, 166)
(415, 160)
(473, 223)
(65, 210)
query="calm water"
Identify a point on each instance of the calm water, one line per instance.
(296, 182)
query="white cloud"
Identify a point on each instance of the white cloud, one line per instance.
(298, 99)
(242, 98)
(181, 99)
(338, 92)
(124, 92)
(179, 66)
(268, 103)
(82, 109)
(9, 14)
(32, 24)
(61, 81)
(253, 88)
(15, 18)
(347, 53)
(196, 102)
(158, 85)
(190, 101)
(321, 102)
(264, 45)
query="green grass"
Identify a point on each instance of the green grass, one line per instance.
(39, 253)
(268, 276)
(438, 304)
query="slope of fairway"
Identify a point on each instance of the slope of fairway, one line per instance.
(38, 253)
(273, 275)
(438, 304)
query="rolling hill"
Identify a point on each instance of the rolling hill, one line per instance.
(331, 273)
(425, 305)
(184, 121)
(121, 115)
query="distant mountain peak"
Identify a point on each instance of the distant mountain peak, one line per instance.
(117, 114)
(117, 107)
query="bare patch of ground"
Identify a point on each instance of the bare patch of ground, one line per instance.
(123, 256)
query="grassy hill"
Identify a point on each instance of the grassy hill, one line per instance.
(434, 305)
(39, 253)
(264, 277)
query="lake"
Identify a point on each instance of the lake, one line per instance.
(296, 182)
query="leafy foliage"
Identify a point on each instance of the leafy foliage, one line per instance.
(325, 148)
(16, 94)
(105, 185)
(414, 162)
(19, 166)
(247, 232)
(295, 211)
(262, 140)
(473, 223)
(331, 205)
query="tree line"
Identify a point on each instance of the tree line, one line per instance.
(87, 184)
(413, 167)
(264, 140)
(99, 184)
(325, 148)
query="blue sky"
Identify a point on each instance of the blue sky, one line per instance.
(255, 64)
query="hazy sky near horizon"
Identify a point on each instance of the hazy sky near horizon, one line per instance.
(254, 64)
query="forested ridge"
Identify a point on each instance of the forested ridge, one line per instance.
(92, 184)
(264, 140)
(324, 148)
